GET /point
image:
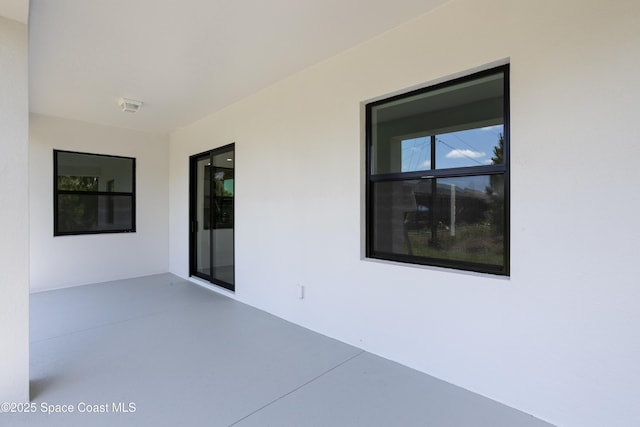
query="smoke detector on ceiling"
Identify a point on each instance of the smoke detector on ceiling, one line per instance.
(129, 105)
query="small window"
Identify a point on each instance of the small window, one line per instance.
(93, 193)
(438, 175)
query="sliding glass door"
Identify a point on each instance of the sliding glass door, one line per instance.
(212, 194)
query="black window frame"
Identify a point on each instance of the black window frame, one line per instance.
(57, 192)
(494, 169)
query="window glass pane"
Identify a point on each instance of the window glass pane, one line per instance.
(89, 172)
(92, 213)
(458, 115)
(473, 147)
(450, 219)
(115, 212)
(416, 154)
(77, 213)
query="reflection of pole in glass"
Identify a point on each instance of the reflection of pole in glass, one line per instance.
(453, 210)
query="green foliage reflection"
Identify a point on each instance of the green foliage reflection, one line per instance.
(78, 183)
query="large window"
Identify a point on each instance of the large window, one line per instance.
(93, 193)
(438, 175)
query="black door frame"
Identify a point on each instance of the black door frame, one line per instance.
(193, 224)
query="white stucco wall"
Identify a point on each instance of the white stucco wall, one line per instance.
(14, 213)
(559, 338)
(71, 260)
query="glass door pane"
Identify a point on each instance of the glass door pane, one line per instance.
(201, 224)
(222, 206)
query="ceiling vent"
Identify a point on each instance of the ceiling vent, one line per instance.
(129, 105)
